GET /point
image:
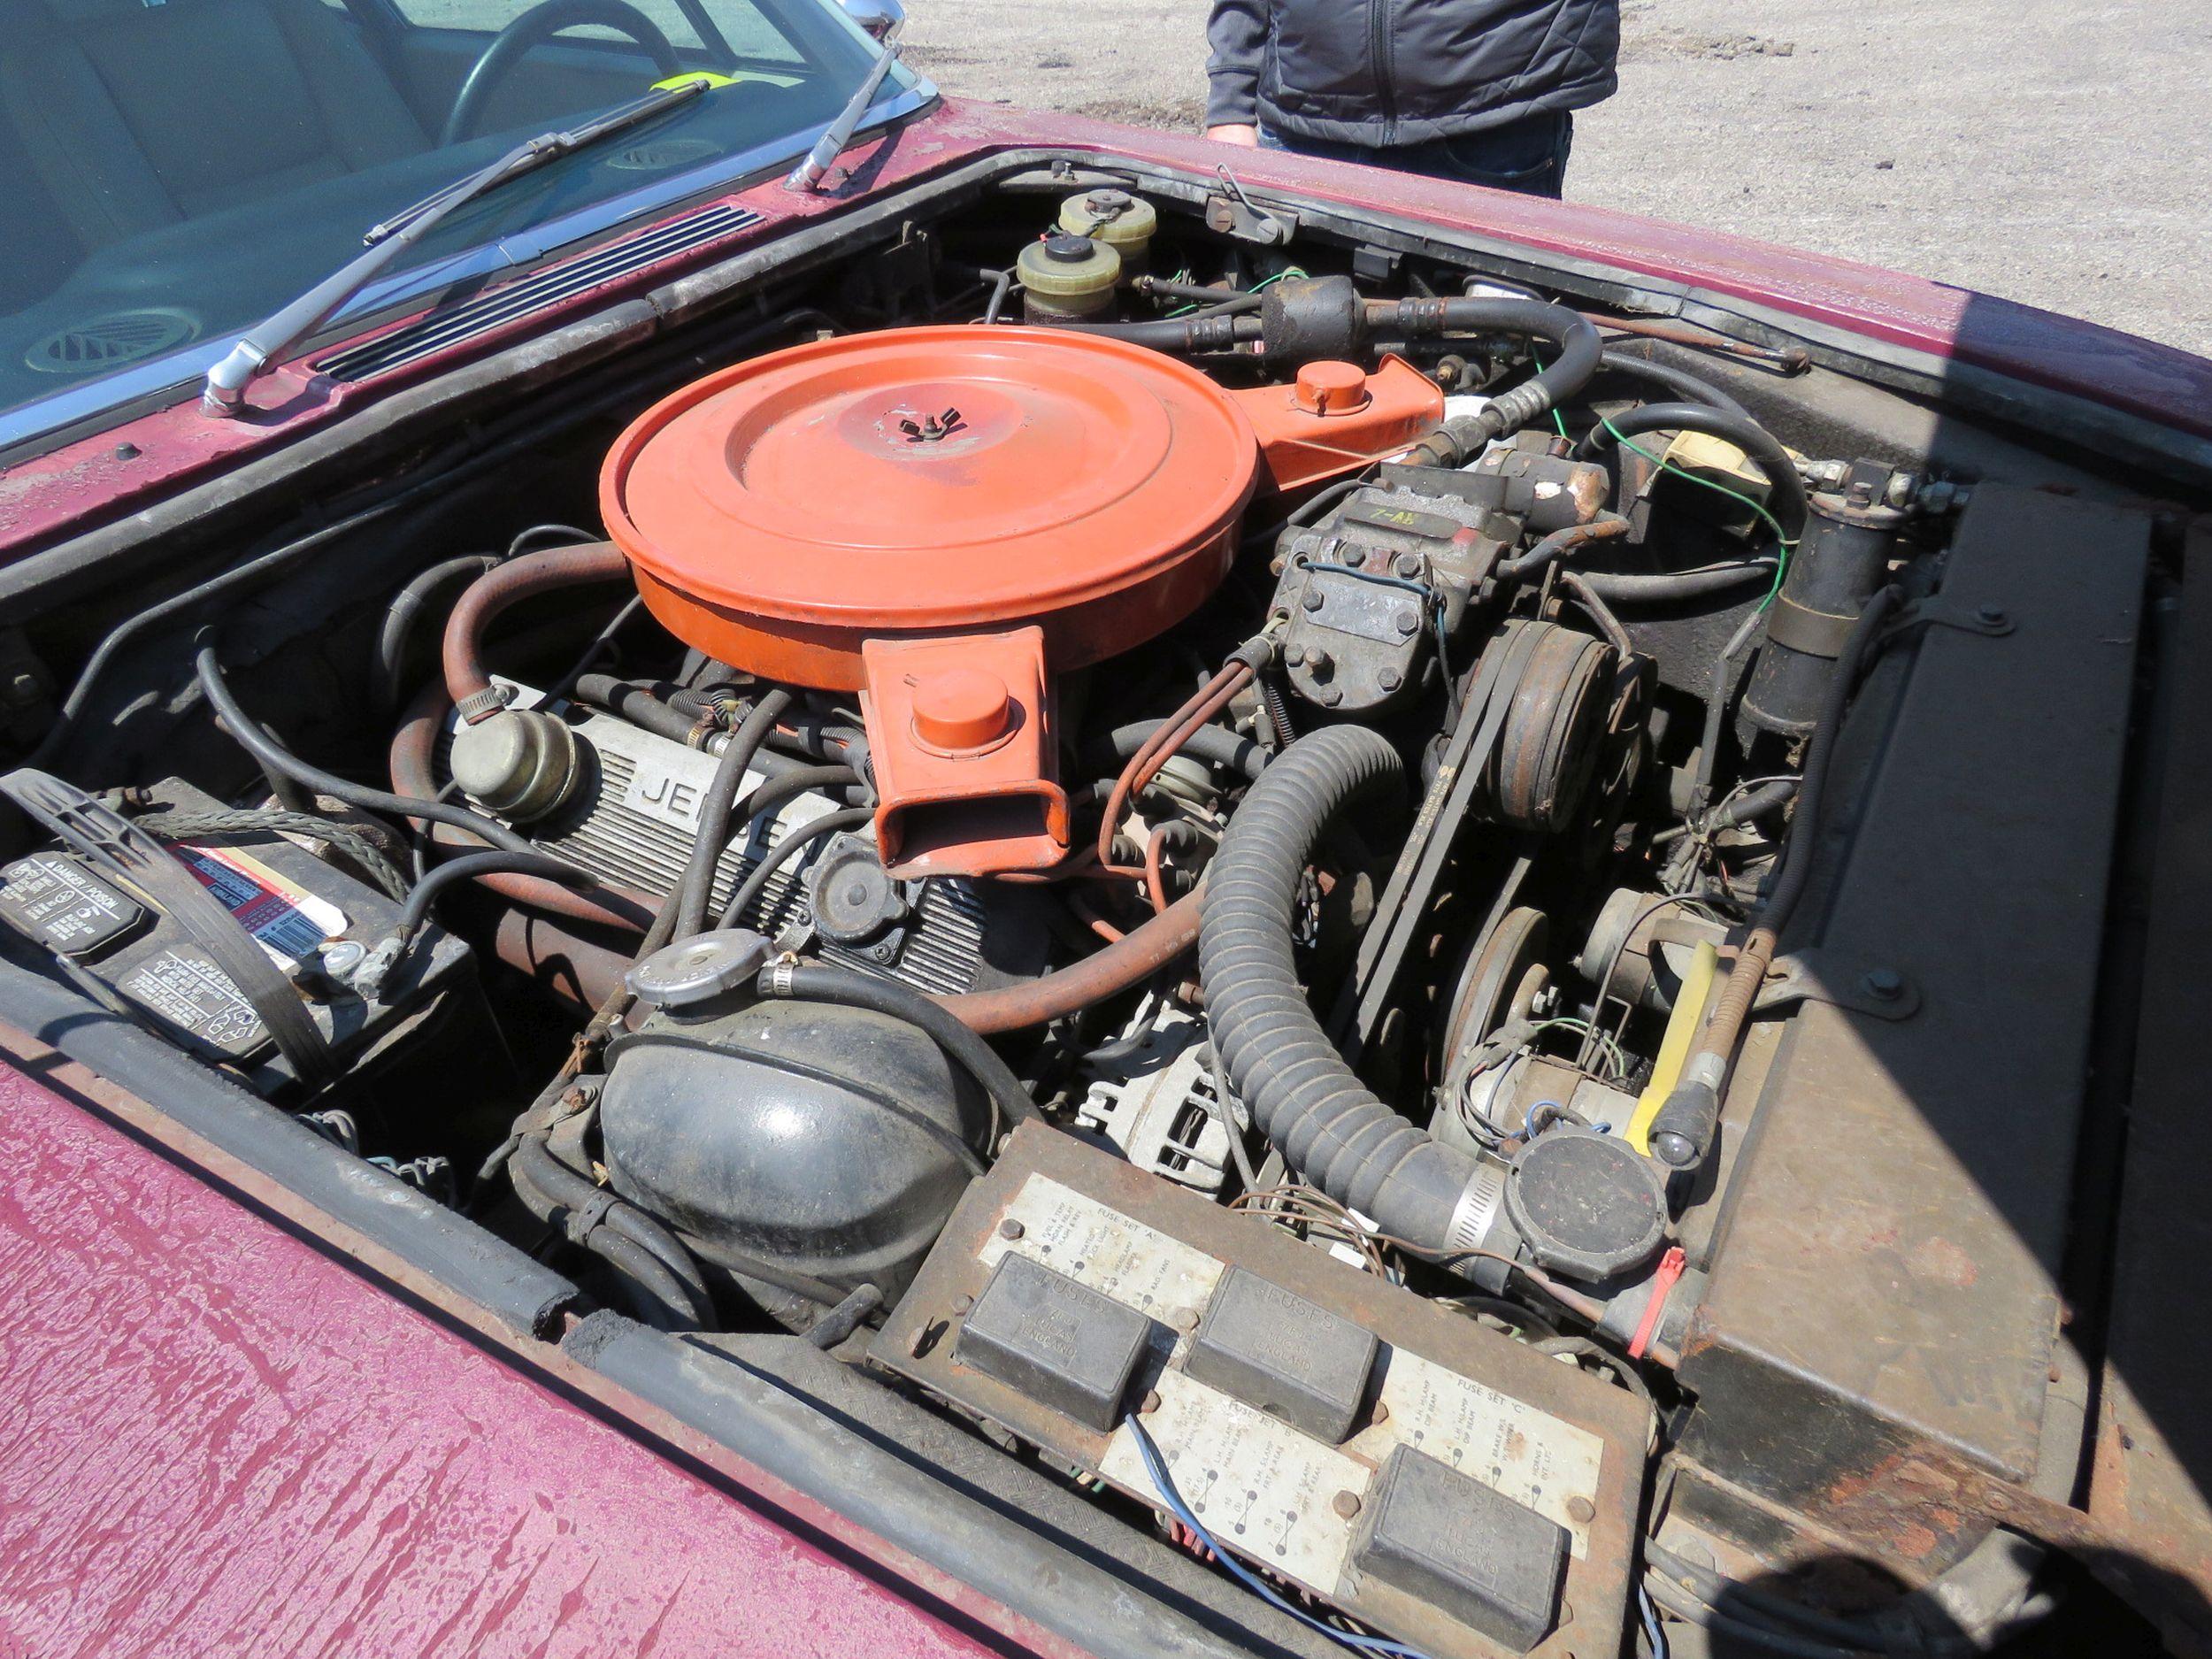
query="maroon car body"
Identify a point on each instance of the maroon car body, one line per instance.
(231, 1422)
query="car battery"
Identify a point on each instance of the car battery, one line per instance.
(1359, 1444)
(312, 921)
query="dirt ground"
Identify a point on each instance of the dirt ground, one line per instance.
(2048, 150)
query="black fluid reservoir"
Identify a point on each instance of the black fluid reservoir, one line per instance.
(789, 1141)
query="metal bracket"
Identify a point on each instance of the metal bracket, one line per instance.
(1065, 176)
(1811, 976)
(1989, 620)
(1236, 214)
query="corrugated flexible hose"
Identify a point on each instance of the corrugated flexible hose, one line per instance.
(1331, 1127)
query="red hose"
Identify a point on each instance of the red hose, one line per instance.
(413, 746)
(1131, 959)
(468, 681)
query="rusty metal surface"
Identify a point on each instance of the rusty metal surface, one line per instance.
(217, 1439)
(919, 1339)
(1884, 1293)
(2153, 1461)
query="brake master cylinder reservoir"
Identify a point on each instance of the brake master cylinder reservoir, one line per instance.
(1122, 221)
(1066, 276)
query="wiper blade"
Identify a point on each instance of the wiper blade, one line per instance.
(808, 174)
(224, 393)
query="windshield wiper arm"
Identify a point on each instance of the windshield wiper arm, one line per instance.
(226, 382)
(808, 174)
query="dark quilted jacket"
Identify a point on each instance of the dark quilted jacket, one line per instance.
(1401, 72)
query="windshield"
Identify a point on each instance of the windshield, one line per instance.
(178, 169)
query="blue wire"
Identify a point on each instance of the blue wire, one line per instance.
(1165, 1485)
(1652, 1633)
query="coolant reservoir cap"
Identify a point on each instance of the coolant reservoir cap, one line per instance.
(930, 480)
(704, 966)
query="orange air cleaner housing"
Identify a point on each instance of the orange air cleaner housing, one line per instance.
(941, 520)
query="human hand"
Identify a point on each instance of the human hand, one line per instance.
(1243, 137)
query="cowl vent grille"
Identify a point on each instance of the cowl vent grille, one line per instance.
(443, 329)
(106, 342)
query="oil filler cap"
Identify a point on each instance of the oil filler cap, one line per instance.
(1586, 1203)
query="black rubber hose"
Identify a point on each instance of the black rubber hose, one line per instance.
(1177, 334)
(1228, 299)
(785, 851)
(817, 982)
(1765, 450)
(1215, 745)
(657, 1296)
(1680, 382)
(405, 612)
(469, 866)
(1330, 1126)
(788, 785)
(1753, 804)
(1664, 586)
(257, 743)
(695, 891)
(1578, 348)
(548, 1186)
(640, 707)
(1797, 851)
(665, 717)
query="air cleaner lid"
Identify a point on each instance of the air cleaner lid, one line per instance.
(932, 479)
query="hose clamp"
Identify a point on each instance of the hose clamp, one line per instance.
(1476, 1213)
(586, 1217)
(481, 705)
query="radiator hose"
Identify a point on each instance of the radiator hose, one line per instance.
(1330, 1126)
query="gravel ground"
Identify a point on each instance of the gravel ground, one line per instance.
(2047, 151)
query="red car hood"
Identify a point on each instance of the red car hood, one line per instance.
(217, 1439)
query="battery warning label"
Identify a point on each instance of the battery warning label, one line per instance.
(291, 923)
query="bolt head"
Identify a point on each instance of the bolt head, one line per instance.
(1150, 1403)
(1581, 1510)
(962, 1303)
(1886, 983)
(1408, 620)
(1184, 1319)
(1294, 655)
(1010, 1228)
(1992, 615)
(1345, 1504)
(1408, 563)
(1331, 695)
(1312, 600)
(1390, 678)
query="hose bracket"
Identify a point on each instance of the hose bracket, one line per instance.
(1813, 975)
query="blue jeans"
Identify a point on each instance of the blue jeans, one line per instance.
(1529, 155)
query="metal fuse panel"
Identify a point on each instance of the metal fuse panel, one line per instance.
(1547, 1441)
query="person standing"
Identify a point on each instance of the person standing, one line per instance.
(1482, 91)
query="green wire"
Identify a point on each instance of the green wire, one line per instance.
(1783, 543)
(1786, 546)
(1557, 419)
(1288, 271)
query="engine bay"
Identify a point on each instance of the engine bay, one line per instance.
(1433, 945)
